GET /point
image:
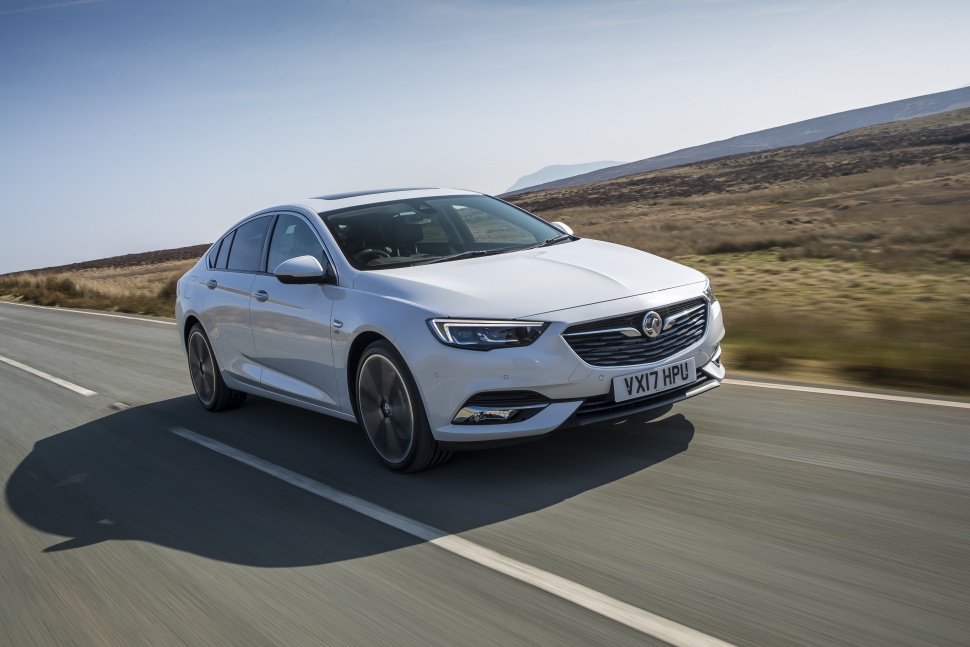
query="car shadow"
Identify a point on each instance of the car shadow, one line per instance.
(127, 477)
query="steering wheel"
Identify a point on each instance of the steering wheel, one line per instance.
(377, 253)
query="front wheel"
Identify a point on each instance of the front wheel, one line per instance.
(211, 389)
(389, 409)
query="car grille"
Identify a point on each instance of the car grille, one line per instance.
(603, 342)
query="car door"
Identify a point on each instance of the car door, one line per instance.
(291, 323)
(226, 297)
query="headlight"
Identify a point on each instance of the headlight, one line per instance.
(709, 292)
(479, 334)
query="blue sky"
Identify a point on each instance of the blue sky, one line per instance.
(129, 125)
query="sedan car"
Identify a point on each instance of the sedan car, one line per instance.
(441, 319)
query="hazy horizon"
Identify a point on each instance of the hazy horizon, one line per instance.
(129, 127)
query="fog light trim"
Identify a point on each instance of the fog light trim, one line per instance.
(496, 415)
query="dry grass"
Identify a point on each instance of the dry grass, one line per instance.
(918, 223)
(143, 289)
(843, 322)
(847, 260)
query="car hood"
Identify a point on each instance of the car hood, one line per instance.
(530, 282)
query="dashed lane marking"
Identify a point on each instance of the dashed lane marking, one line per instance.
(47, 376)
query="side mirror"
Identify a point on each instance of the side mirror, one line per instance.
(302, 270)
(563, 227)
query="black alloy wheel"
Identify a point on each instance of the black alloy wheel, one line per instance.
(211, 389)
(389, 409)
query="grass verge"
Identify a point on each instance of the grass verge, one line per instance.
(64, 291)
(834, 321)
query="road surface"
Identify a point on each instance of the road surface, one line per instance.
(751, 515)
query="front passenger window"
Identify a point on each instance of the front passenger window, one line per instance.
(293, 237)
(247, 246)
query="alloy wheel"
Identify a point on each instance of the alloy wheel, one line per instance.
(202, 368)
(385, 408)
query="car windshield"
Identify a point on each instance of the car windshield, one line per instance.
(434, 229)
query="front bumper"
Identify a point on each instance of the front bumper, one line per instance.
(578, 393)
(574, 413)
(601, 409)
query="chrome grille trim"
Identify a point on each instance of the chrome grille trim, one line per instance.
(670, 320)
(626, 331)
(601, 342)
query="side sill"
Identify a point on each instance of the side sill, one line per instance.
(235, 382)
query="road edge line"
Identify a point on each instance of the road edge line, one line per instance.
(85, 312)
(849, 394)
(626, 614)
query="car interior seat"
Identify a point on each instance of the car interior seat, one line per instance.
(402, 236)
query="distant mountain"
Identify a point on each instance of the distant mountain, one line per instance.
(557, 172)
(802, 132)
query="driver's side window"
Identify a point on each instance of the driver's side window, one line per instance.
(292, 237)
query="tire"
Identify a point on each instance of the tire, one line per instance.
(390, 411)
(210, 388)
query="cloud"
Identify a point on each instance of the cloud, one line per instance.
(44, 7)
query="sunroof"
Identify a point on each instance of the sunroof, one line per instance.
(354, 194)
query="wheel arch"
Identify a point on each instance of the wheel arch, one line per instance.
(357, 347)
(190, 321)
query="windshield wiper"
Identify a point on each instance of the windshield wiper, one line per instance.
(550, 241)
(454, 257)
(485, 252)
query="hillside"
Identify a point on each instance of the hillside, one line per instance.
(884, 180)
(557, 172)
(841, 260)
(192, 253)
(801, 132)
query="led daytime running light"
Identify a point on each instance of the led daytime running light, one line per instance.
(485, 334)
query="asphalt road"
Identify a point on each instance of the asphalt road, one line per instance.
(754, 516)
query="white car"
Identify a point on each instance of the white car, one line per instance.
(441, 319)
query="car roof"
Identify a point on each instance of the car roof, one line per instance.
(336, 201)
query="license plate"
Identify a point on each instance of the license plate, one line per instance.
(655, 380)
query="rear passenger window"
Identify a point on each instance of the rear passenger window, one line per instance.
(214, 254)
(247, 246)
(224, 251)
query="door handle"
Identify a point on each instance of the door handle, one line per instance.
(211, 284)
(260, 295)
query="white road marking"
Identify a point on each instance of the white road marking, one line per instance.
(85, 312)
(850, 394)
(50, 378)
(626, 614)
